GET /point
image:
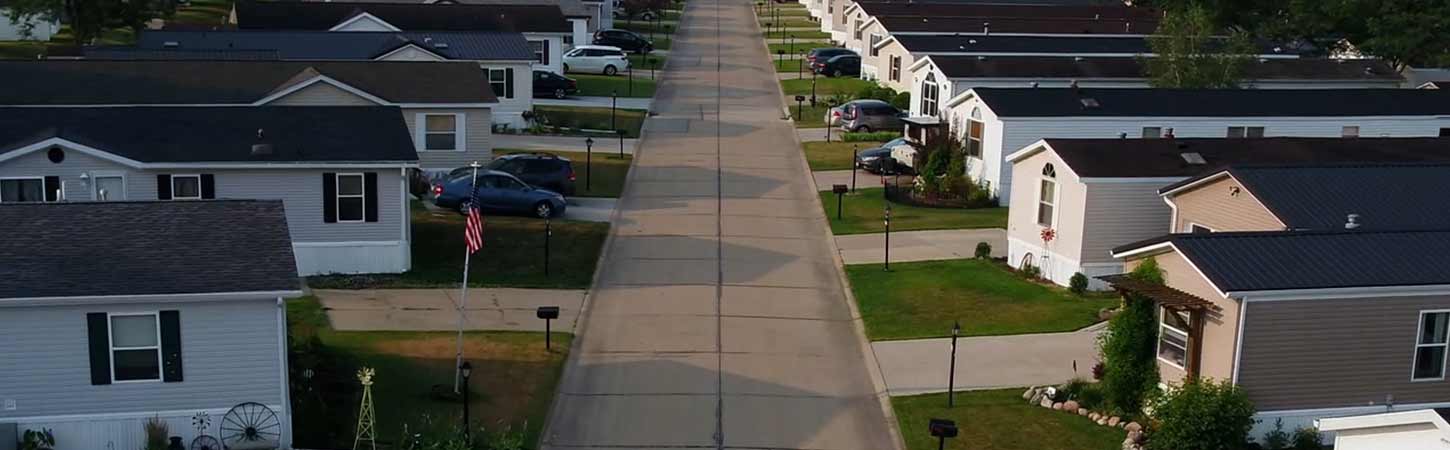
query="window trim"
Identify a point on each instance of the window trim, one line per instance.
(505, 81)
(1244, 131)
(459, 139)
(1419, 329)
(858, 30)
(876, 38)
(95, 184)
(1344, 131)
(111, 347)
(42, 187)
(929, 85)
(198, 196)
(1189, 226)
(1056, 193)
(895, 70)
(1158, 347)
(975, 119)
(338, 195)
(1157, 133)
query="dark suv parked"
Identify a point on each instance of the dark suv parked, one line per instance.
(549, 84)
(543, 170)
(839, 65)
(624, 39)
(824, 53)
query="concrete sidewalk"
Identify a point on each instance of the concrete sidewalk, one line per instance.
(864, 180)
(920, 245)
(434, 309)
(988, 362)
(560, 143)
(601, 102)
(590, 209)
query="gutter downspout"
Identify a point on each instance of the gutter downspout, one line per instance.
(1239, 337)
(286, 383)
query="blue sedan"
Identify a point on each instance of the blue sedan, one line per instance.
(499, 192)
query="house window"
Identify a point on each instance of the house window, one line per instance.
(1430, 346)
(875, 39)
(1173, 337)
(1349, 131)
(1047, 196)
(186, 187)
(135, 347)
(440, 132)
(1197, 229)
(498, 79)
(350, 198)
(975, 128)
(541, 51)
(1243, 132)
(857, 33)
(929, 95)
(895, 68)
(22, 190)
(1152, 132)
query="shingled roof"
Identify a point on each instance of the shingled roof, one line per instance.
(297, 15)
(1146, 102)
(1158, 158)
(1045, 25)
(1067, 67)
(192, 82)
(316, 134)
(1043, 9)
(75, 249)
(941, 43)
(325, 45)
(1321, 197)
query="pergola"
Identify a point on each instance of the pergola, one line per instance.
(1172, 299)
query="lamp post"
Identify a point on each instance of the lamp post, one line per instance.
(886, 262)
(952, 372)
(466, 369)
(621, 143)
(613, 103)
(630, 71)
(855, 150)
(792, 41)
(588, 163)
(548, 234)
(813, 83)
(651, 67)
(800, 65)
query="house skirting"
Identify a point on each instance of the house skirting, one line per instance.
(1059, 268)
(322, 258)
(125, 431)
(1306, 418)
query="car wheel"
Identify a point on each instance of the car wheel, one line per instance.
(610, 70)
(566, 68)
(837, 73)
(544, 210)
(463, 207)
(560, 94)
(862, 129)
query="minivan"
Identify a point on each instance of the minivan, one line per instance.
(871, 115)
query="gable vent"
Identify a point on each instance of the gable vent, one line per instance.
(440, 45)
(1193, 158)
(170, 44)
(1090, 103)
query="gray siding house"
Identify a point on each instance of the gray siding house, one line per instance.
(448, 107)
(341, 171)
(163, 309)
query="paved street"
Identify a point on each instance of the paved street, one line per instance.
(434, 309)
(920, 245)
(719, 318)
(988, 362)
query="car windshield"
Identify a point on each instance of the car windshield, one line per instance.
(894, 142)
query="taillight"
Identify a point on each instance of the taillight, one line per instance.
(437, 190)
(571, 174)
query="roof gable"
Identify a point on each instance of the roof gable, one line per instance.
(1322, 197)
(287, 15)
(364, 21)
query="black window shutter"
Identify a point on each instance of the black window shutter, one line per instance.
(546, 52)
(163, 187)
(370, 196)
(52, 189)
(99, 331)
(171, 346)
(329, 197)
(208, 186)
(508, 89)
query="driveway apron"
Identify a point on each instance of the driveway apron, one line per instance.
(718, 318)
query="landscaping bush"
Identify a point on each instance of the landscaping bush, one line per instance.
(1307, 439)
(1078, 283)
(1128, 346)
(875, 136)
(1202, 415)
(877, 92)
(1090, 397)
(156, 433)
(1276, 439)
(984, 251)
(1031, 272)
(902, 101)
(1098, 370)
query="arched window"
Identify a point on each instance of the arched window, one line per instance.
(975, 129)
(1047, 196)
(929, 95)
(1049, 171)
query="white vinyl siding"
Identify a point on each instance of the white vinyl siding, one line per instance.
(475, 140)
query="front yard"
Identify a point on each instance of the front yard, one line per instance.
(922, 300)
(576, 118)
(605, 85)
(825, 87)
(792, 48)
(999, 420)
(512, 255)
(863, 211)
(512, 386)
(836, 155)
(609, 170)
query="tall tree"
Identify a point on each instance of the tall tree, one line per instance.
(1191, 54)
(87, 19)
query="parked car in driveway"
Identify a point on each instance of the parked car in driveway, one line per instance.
(833, 115)
(545, 170)
(825, 53)
(550, 84)
(497, 191)
(871, 115)
(874, 159)
(595, 59)
(838, 66)
(624, 39)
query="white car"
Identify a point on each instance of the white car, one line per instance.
(595, 59)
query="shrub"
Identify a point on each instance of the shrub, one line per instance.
(1148, 271)
(1098, 370)
(878, 92)
(1078, 283)
(1202, 415)
(1128, 346)
(1307, 439)
(873, 136)
(984, 251)
(37, 440)
(902, 101)
(156, 433)
(1091, 396)
(1276, 439)
(1072, 389)
(1032, 272)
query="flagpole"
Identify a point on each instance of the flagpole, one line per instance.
(463, 295)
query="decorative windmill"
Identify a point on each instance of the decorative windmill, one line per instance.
(366, 416)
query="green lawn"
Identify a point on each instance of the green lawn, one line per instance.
(609, 170)
(663, 42)
(21, 49)
(512, 385)
(629, 120)
(834, 155)
(642, 63)
(643, 28)
(809, 116)
(203, 12)
(825, 87)
(791, 65)
(512, 256)
(922, 300)
(788, 22)
(864, 208)
(603, 85)
(793, 49)
(1000, 420)
(774, 35)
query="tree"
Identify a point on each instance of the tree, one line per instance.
(1191, 55)
(1129, 347)
(1202, 415)
(89, 18)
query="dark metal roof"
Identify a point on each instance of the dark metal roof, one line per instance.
(352, 45)
(1279, 260)
(1146, 102)
(125, 52)
(220, 134)
(98, 82)
(145, 248)
(1022, 44)
(1156, 158)
(1321, 197)
(1047, 25)
(1020, 9)
(296, 15)
(1039, 67)
(570, 8)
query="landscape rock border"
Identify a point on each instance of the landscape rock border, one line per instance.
(1042, 396)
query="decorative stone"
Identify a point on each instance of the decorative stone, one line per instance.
(1057, 406)
(1133, 427)
(1070, 405)
(1082, 411)
(1094, 416)
(1030, 392)
(1046, 402)
(1114, 421)
(1102, 421)
(1036, 398)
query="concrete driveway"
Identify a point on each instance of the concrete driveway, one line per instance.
(989, 362)
(436, 309)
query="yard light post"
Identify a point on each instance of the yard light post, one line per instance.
(467, 370)
(886, 261)
(952, 372)
(651, 67)
(548, 234)
(792, 41)
(942, 429)
(621, 143)
(630, 71)
(855, 150)
(588, 163)
(613, 103)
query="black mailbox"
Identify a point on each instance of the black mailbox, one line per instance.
(839, 188)
(548, 312)
(943, 428)
(800, 98)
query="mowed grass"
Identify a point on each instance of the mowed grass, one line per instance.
(1000, 420)
(825, 87)
(512, 386)
(923, 299)
(642, 63)
(808, 116)
(21, 49)
(203, 12)
(609, 170)
(629, 120)
(512, 255)
(798, 35)
(793, 65)
(789, 21)
(834, 155)
(793, 48)
(863, 211)
(604, 85)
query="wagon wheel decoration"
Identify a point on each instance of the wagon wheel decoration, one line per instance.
(250, 422)
(205, 442)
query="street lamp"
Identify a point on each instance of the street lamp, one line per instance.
(886, 262)
(952, 372)
(855, 150)
(613, 103)
(588, 163)
(548, 233)
(621, 142)
(630, 71)
(466, 369)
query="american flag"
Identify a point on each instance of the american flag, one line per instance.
(473, 230)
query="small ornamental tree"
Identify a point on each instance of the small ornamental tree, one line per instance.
(1129, 346)
(1078, 284)
(1202, 415)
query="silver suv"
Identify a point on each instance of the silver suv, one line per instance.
(871, 115)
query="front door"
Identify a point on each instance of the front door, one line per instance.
(109, 189)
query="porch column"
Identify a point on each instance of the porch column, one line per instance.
(1195, 342)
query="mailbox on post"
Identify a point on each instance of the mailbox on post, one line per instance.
(548, 313)
(942, 429)
(840, 191)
